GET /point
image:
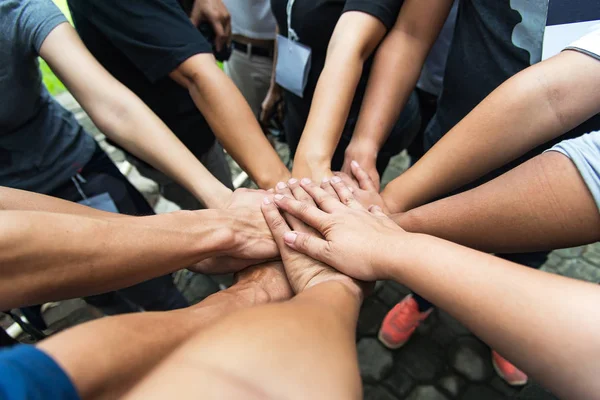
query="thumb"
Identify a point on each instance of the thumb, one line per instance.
(309, 245)
(364, 180)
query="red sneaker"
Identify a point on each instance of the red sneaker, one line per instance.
(511, 374)
(400, 323)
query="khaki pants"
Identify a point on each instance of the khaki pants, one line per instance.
(252, 76)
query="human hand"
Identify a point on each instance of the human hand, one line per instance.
(357, 241)
(312, 167)
(214, 12)
(269, 277)
(302, 271)
(366, 156)
(364, 191)
(245, 198)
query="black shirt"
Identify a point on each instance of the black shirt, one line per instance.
(314, 22)
(140, 42)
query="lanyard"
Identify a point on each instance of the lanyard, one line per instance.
(291, 33)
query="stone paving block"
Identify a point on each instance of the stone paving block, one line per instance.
(443, 335)
(399, 288)
(370, 317)
(502, 387)
(195, 287)
(480, 392)
(592, 256)
(452, 383)
(571, 252)
(399, 382)
(375, 361)
(426, 393)
(377, 393)
(578, 268)
(421, 357)
(471, 359)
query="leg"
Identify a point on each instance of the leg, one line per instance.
(252, 76)
(301, 349)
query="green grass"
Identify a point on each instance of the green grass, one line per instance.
(54, 84)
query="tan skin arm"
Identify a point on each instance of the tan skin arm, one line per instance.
(396, 69)
(533, 107)
(124, 118)
(231, 119)
(532, 331)
(355, 37)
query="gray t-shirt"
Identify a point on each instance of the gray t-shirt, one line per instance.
(41, 143)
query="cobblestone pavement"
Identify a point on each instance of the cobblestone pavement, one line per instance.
(442, 361)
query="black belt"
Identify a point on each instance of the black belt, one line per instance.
(254, 50)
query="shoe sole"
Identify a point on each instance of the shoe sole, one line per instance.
(389, 345)
(501, 375)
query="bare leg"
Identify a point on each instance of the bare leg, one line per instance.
(542, 204)
(104, 358)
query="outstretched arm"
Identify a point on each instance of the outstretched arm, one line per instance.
(124, 118)
(542, 204)
(106, 357)
(355, 37)
(533, 107)
(535, 333)
(231, 119)
(84, 256)
(396, 69)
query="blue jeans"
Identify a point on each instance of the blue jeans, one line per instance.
(102, 176)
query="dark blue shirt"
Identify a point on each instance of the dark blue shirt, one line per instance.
(28, 373)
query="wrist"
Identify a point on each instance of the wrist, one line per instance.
(390, 200)
(216, 197)
(271, 179)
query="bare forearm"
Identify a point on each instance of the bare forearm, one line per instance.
(237, 129)
(82, 256)
(541, 205)
(397, 67)
(144, 135)
(524, 325)
(323, 318)
(14, 199)
(535, 106)
(105, 358)
(355, 37)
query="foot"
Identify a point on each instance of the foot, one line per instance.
(400, 323)
(511, 374)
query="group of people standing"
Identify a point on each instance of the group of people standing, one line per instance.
(503, 149)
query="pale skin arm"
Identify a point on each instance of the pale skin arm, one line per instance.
(354, 39)
(124, 118)
(125, 348)
(529, 329)
(394, 74)
(231, 119)
(533, 107)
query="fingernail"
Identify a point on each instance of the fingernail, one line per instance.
(271, 190)
(278, 197)
(351, 189)
(336, 179)
(293, 181)
(355, 164)
(281, 185)
(325, 180)
(266, 200)
(305, 181)
(290, 237)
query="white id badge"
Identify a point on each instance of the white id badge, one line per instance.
(102, 202)
(568, 21)
(293, 65)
